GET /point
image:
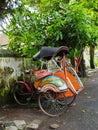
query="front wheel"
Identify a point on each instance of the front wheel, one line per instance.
(20, 94)
(52, 103)
(70, 100)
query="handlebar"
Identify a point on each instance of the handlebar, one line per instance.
(31, 71)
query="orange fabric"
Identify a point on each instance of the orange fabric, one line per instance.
(73, 81)
(60, 74)
(71, 78)
(68, 93)
(36, 83)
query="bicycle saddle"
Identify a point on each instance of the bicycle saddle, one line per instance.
(47, 52)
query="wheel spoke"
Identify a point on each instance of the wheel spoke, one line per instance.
(52, 105)
(21, 94)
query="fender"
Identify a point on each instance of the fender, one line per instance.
(25, 84)
(52, 82)
(49, 87)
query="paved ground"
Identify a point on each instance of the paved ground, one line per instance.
(83, 115)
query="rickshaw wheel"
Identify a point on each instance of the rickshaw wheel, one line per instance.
(70, 100)
(20, 94)
(52, 104)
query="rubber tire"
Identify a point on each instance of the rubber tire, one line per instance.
(50, 102)
(71, 100)
(20, 94)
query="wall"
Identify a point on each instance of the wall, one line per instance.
(10, 69)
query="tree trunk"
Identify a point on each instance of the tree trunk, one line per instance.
(82, 68)
(92, 66)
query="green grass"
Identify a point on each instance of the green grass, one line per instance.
(84, 79)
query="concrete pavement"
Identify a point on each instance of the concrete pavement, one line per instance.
(82, 115)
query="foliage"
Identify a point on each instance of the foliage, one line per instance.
(35, 23)
(4, 91)
(5, 8)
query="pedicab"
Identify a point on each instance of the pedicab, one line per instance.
(56, 82)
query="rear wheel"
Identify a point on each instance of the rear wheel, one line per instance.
(21, 94)
(52, 103)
